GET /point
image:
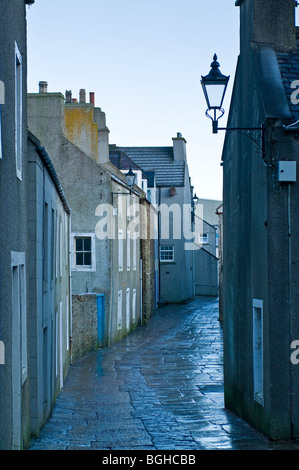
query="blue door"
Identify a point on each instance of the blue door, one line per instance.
(101, 318)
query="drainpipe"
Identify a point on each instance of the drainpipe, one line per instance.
(141, 298)
(290, 302)
(70, 290)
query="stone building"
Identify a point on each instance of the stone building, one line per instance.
(260, 242)
(49, 284)
(33, 304)
(176, 281)
(206, 261)
(14, 383)
(105, 256)
(149, 230)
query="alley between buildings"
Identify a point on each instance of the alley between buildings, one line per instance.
(160, 388)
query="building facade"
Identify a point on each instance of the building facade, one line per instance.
(176, 281)
(105, 256)
(260, 201)
(49, 290)
(29, 297)
(14, 383)
(206, 261)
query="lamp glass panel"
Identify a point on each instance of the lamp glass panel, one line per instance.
(215, 94)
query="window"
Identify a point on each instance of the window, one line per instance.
(19, 311)
(84, 252)
(128, 313)
(203, 238)
(134, 305)
(167, 253)
(120, 250)
(128, 250)
(2, 101)
(45, 248)
(134, 251)
(257, 340)
(2, 353)
(19, 350)
(18, 110)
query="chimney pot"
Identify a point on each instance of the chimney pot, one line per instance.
(68, 96)
(82, 97)
(43, 87)
(91, 98)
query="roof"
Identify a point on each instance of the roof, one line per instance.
(273, 95)
(289, 69)
(168, 172)
(209, 210)
(50, 168)
(121, 160)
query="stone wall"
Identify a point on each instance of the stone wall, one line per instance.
(84, 324)
(148, 264)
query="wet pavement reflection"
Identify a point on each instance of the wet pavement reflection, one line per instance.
(161, 388)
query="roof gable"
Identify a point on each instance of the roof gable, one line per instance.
(168, 172)
(289, 69)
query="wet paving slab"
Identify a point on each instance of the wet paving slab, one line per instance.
(160, 388)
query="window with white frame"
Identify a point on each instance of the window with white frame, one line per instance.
(203, 238)
(167, 253)
(84, 252)
(120, 250)
(2, 101)
(18, 110)
(134, 305)
(19, 311)
(134, 251)
(128, 250)
(128, 312)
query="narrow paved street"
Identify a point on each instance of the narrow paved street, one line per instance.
(161, 388)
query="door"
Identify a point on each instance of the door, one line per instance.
(101, 318)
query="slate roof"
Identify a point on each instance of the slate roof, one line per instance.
(168, 172)
(43, 154)
(122, 161)
(289, 69)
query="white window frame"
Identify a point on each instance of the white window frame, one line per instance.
(92, 267)
(203, 238)
(120, 250)
(18, 111)
(257, 351)
(134, 305)
(169, 249)
(134, 251)
(2, 101)
(128, 250)
(128, 309)
(19, 305)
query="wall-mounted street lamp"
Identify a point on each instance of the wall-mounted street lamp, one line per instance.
(194, 201)
(214, 87)
(130, 178)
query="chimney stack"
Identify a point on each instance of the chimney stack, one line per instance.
(268, 22)
(92, 98)
(68, 96)
(43, 87)
(179, 147)
(82, 97)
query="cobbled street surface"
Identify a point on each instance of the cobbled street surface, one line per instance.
(161, 388)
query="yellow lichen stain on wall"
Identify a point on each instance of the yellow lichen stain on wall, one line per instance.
(81, 130)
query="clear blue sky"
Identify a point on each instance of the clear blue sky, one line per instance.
(143, 59)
